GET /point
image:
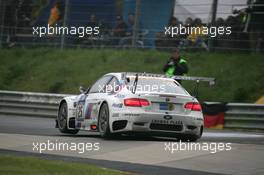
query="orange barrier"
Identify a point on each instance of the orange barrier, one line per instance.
(260, 100)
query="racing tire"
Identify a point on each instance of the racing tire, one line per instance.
(192, 138)
(62, 120)
(103, 121)
(189, 138)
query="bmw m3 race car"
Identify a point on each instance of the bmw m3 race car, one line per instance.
(134, 103)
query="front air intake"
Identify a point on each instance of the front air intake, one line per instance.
(120, 124)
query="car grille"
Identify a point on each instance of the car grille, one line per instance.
(165, 127)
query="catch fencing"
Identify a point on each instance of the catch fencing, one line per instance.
(134, 24)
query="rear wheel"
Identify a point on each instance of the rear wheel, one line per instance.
(103, 121)
(193, 137)
(189, 138)
(62, 120)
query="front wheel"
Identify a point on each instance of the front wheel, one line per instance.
(62, 120)
(103, 121)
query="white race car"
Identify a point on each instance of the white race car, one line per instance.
(133, 103)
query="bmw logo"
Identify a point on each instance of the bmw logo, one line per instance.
(167, 117)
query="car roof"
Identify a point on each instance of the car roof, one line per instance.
(116, 74)
(121, 75)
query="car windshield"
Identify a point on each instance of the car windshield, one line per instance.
(156, 85)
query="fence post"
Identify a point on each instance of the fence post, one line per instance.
(2, 10)
(136, 24)
(66, 8)
(213, 17)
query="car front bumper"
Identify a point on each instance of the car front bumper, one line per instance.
(157, 122)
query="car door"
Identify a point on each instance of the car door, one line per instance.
(93, 101)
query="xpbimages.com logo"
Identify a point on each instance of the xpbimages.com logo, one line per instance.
(202, 30)
(65, 146)
(80, 31)
(213, 147)
(115, 88)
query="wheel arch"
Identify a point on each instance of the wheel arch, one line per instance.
(99, 109)
(61, 102)
(107, 133)
(71, 112)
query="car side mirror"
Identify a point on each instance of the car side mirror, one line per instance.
(83, 90)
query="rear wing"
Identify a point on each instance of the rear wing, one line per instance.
(211, 81)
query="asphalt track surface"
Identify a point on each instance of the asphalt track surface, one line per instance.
(135, 154)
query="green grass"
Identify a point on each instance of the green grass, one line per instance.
(239, 76)
(13, 165)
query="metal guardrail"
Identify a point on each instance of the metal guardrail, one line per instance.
(238, 115)
(244, 116)
(29, 104)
